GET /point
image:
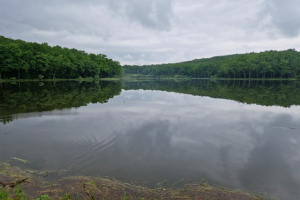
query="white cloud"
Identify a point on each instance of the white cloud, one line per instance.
(162, 31)
(128, 57)
(284, 15)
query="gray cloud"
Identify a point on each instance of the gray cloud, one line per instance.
(153, 31)
(285, 16)
(152, 14)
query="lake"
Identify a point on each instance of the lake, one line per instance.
(236, 134)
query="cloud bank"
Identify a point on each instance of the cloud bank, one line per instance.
(153, 31)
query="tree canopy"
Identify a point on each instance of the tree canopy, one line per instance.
(27, 60)
(268, 64)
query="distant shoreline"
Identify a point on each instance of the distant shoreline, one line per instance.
(149, 78)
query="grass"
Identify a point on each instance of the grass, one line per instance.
(3, 194)
(136, 77)
(15, 193)
(143, 77)
(256, 79)
(83, 187)
(111, 189)
(146, 77)
(88, 79)
(109, 79)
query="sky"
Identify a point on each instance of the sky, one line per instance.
(155, 31)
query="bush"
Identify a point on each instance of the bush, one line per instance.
(3, 194)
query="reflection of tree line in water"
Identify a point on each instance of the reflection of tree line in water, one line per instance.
(30, 97)
(267, 93)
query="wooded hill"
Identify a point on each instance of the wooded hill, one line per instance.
(268, 64)
(27, 60)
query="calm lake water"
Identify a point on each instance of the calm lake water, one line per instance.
(242, 135)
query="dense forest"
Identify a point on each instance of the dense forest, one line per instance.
(267, 93)
(268, 64)
(27, 60)
(30, 97)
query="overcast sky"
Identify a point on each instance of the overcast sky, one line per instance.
(155, 31)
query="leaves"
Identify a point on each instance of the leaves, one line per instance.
(268, 64)
(27, 60)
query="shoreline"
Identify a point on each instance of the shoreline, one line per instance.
(146, 78)
(86, 187)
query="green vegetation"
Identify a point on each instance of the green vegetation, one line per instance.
(268, 93)
(137, 76)
(30, 97)
(3, 194)
(83, 187)
(264, 65)
(36, 97)
(16, 194)
(26, 60)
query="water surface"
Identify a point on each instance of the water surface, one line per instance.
(164, 134)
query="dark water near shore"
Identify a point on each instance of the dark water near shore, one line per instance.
(242, 135)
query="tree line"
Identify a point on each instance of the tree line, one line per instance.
(30, 60)
(267, 64)
(30, 97)
(260, 92)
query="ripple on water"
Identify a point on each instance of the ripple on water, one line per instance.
(102, 131)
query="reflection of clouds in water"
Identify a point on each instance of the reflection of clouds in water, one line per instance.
(273, 164)
(151, 139)
(132, 155)
(220, 134)
(224, 159)
(173, 136)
